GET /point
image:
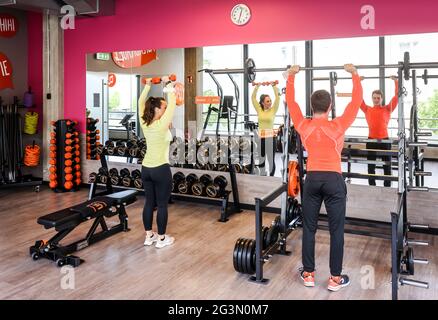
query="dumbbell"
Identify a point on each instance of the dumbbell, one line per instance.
(216, 189)
(185, 187)
(71, 134)
(237, 167)
(222, 167)
(132, 148)
(121, 148)
(177, 178)
(100, 149)
(110, 147)
(136, 175)
(102, 176)
(143, 151)
(246, 168)
(126, 177)
(158, 80)
(93, 177)
(71, 123)
(265, 83)
(198, 188)
(114, 177)
(92, 138)
(91, 121)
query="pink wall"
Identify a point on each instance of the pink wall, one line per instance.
(189, 23)
(35, 60)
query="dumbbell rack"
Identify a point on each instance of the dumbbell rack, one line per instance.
(227, 209)
(92, 139)
(65, 170)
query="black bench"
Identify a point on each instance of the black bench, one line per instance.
(66, 220)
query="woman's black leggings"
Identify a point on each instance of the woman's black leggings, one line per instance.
(157, 183)
(268, 146)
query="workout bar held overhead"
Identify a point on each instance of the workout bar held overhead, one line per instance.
(250, 69)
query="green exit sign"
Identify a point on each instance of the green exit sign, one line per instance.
(102, 56)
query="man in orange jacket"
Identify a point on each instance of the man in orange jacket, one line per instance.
(323, 140)
(378, 118)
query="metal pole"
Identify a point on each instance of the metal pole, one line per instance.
(413, 134)
(285, 157)
(401, 134)
(394, 262)
(258, 222)
(309, 76)
(245, 86)
(382, 62)
(332, 77)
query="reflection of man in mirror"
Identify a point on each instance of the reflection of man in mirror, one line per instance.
(266, 111)
(377, 118)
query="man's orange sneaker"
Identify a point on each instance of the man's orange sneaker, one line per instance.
(336, 283)
(308, 278)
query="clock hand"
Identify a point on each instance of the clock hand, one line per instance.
(241, 10)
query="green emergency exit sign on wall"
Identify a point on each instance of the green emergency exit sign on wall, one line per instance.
(102, 56)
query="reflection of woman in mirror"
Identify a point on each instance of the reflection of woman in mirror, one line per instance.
(156, 115)
(266, 111)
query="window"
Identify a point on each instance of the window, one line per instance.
(222, 57)
(337, 52)
(422, 48)
(277, 55)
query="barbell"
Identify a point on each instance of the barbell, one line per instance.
(250, 69)
(424, 76)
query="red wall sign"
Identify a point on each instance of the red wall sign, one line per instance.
(111, 80)
(133, 59)
(8, 25)
(5, 72)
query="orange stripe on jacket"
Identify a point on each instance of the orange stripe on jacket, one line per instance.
(323, 138)
(378, 117)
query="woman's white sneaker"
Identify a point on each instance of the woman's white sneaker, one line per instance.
(150, 240)
(167, 241)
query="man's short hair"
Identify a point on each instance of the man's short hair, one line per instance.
(321, 101)
(379, 92)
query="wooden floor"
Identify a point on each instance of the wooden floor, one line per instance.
(198, 266)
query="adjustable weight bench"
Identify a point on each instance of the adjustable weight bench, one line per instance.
(66, 220)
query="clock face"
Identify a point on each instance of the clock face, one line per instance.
(240, 14)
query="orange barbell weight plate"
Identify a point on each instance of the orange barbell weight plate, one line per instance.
(294, 179)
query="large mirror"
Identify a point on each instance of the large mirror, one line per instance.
(114, 82)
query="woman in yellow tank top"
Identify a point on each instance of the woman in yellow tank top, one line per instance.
(266, 111)
(155, 117)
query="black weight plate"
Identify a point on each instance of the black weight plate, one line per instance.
(250, 257)
(236, 255)
(274, 230)
(240, 256)
(244, 259)
(265, 237)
